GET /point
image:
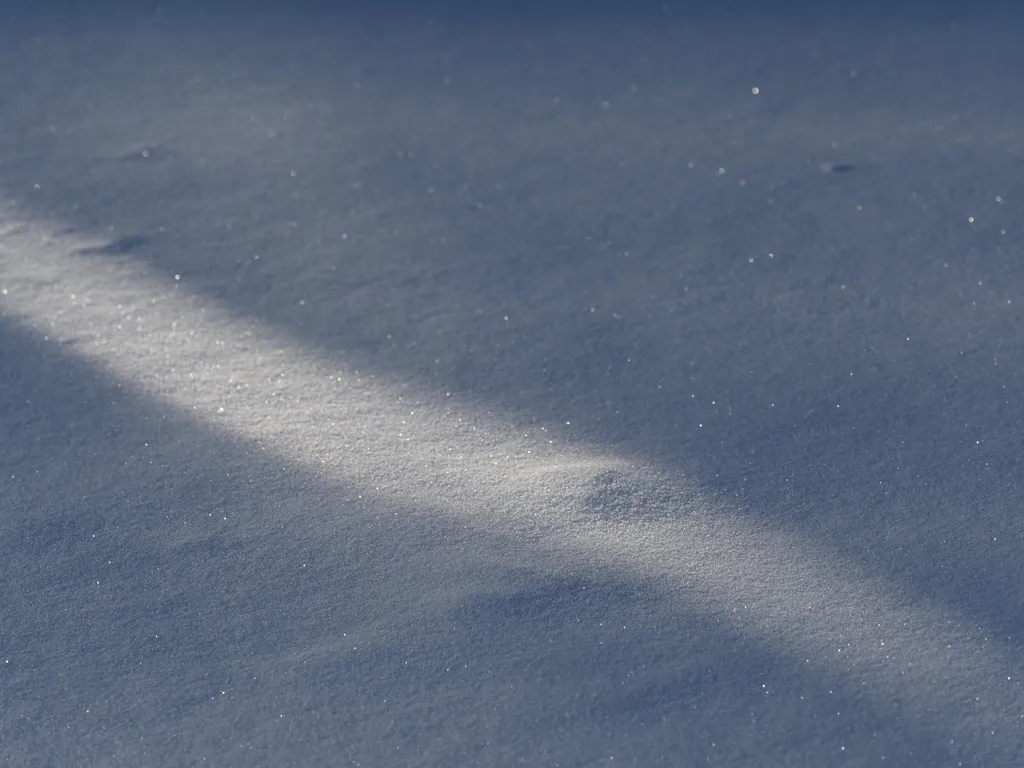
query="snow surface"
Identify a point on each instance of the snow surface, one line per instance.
(434, 386)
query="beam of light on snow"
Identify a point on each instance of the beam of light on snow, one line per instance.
(153, 335)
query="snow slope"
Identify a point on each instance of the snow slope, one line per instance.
(429, 388)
